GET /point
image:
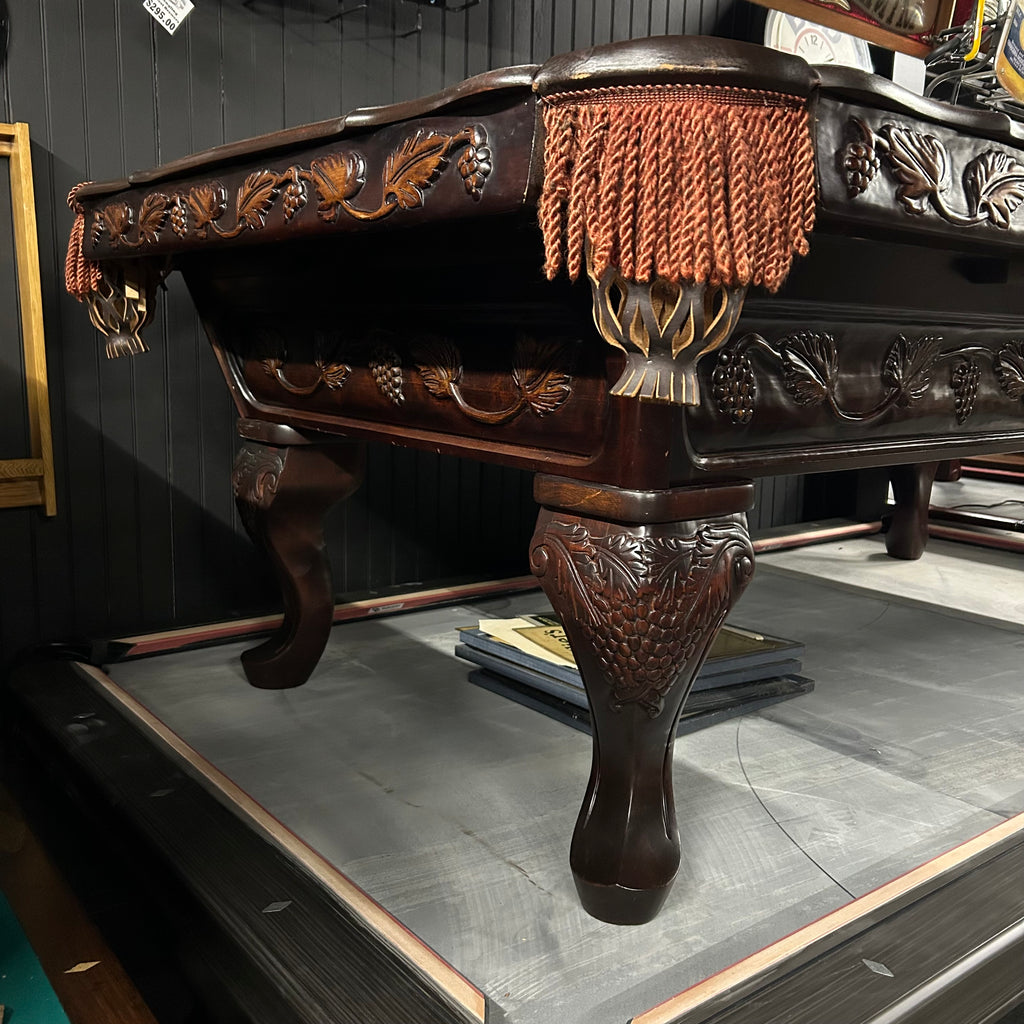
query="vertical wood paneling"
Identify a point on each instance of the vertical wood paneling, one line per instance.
(42, 548)
(147, 534)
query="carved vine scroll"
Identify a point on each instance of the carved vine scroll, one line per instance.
(992, 183)
(335, 181)
(809, 364)
(541, 377)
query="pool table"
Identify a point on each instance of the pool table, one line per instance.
(650, 272)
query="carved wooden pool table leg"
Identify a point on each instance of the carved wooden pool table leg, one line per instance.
(282, 495)
(912, 491)
(642, 581)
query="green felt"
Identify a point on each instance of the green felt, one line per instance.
(24, 991)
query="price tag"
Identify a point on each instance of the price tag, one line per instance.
(170, 13)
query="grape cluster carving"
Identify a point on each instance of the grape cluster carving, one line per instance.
(335, 180)
(645, 603)
(734, 386)
(386, 368)
(860, 161)
(809, 365)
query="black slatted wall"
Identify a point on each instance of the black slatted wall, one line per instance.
(146, 534)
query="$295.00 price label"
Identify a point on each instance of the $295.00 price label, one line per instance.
(170, 13)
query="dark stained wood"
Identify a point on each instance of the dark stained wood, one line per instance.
(436, 331)
(697, 59)
(61, 934)
(218, 865)
(641, 604)
(283, 495)
(951, 943)
(908, 529)
(639, 507)
(882, 94)
(98, 111)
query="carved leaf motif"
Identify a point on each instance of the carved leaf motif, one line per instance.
(206, 203)
(1010, 369)
(908, 367)
(920, 162)
(672, 563)
(414, 167)
(152, 214)
(117, 219)
(440, 366)
(333, 374)
(576, 572)
(621, 561)
(542, 373)
(994, 185)
(255, 197)
(810, 366)
(337, 177)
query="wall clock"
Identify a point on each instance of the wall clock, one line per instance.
(815, 43)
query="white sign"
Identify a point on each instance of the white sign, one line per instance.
(170, 13)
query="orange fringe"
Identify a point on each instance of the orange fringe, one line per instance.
(702, 183)
(81, 276)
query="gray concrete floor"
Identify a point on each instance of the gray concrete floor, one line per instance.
(453, 807)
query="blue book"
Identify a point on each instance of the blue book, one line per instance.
(567, 685)
(701, 709)
(737, 656)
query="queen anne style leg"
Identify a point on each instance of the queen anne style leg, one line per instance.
(283, 494)
(642, 581)
(911, 490)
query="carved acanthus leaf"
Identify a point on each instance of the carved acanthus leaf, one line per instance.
(256, 475)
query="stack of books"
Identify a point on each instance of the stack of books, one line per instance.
(528, 660)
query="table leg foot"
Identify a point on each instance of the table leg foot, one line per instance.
(618, 904)
(641, 605)
(282, 495)
(912, 489)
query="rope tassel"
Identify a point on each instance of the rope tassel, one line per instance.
(708, 184)
(81, 276)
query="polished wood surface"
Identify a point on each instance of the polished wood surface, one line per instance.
(379, 279)
(61, 933)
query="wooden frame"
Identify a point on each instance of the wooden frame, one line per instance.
(865, 27)
(28, 481)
